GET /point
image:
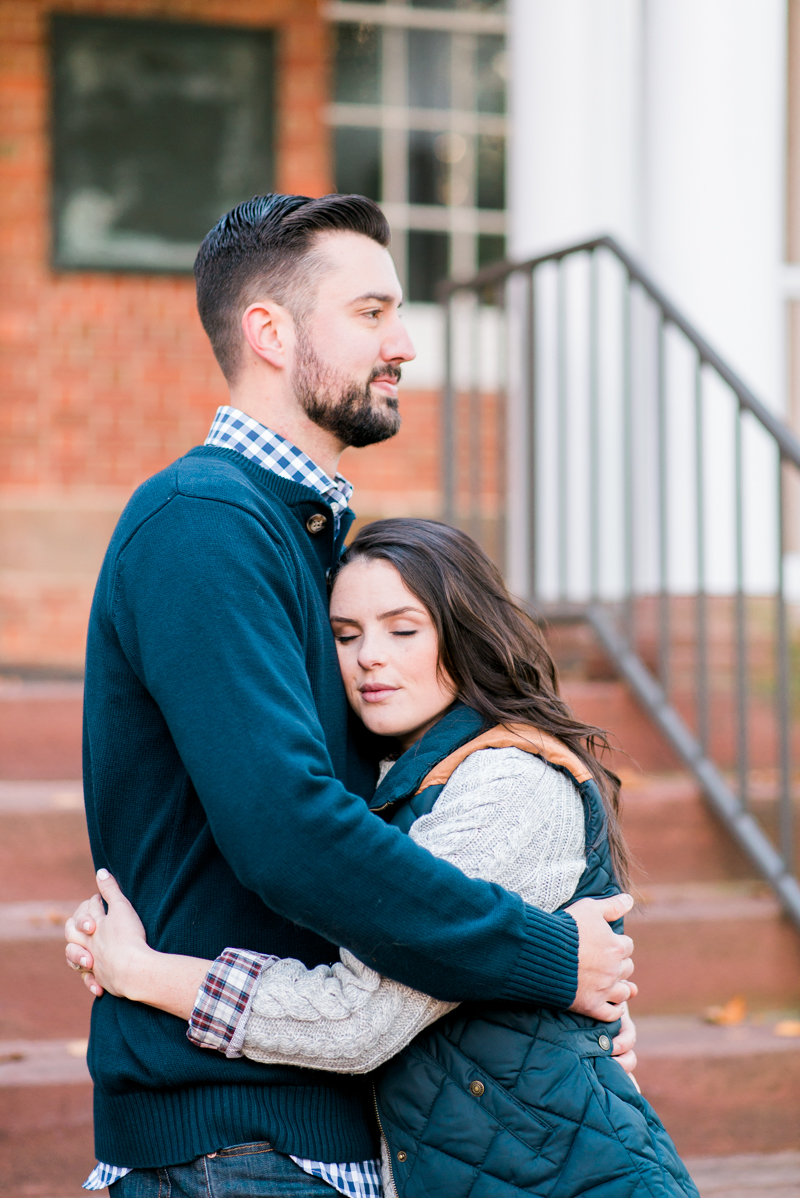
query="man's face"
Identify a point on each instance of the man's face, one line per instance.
(351, 346)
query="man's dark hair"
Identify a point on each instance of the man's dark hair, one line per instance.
(265, 247)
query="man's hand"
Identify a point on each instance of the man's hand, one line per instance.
(604, 958)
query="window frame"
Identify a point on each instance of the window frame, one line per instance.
(58, 20)
(464, 222)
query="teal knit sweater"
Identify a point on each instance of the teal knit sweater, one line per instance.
(225, 786)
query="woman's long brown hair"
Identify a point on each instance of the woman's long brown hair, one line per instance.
(491, 649)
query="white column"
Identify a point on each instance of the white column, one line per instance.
(575, 113)
(714, 154)
(574, 173)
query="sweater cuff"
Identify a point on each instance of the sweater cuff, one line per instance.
(547, 967)
(223, 1001)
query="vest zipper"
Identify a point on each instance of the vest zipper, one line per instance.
(383, 1136)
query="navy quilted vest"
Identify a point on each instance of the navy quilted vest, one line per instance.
(495, 1101)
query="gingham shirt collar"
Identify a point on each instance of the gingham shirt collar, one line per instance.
(233, 429)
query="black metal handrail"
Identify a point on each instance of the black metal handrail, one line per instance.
(500, 271)
(560, 378)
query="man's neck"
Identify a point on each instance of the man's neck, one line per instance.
(290, 421)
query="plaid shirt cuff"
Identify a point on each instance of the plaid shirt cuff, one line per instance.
(223, 1001)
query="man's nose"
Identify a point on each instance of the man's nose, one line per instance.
(398, 347)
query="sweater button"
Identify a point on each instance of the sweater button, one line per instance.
(476, 1088)
(402, 1156)
(316, 523)
(604, 1043)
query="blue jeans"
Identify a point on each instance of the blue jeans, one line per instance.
(242, 1171)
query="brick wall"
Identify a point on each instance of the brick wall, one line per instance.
(106, 378)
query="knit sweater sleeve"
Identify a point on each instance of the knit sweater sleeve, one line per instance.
(504, 816)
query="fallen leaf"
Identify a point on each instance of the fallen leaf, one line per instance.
(732, 1013)
(787, 1027)
(67, 800)
(8, 1057)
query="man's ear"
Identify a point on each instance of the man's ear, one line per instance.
(269, 329)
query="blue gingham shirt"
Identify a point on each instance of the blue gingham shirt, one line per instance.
(233, 429)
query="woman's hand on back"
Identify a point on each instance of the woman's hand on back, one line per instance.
(109, 948)
(625, 1041)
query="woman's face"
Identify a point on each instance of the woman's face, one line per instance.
(388, 652)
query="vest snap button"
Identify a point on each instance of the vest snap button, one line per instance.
(604, 1043)
(476, 1088)
(316, 523)
(402, 1156)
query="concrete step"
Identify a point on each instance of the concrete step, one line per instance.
(698, 944)
(721, 1090)
(28, 797)
(44, 854)
(46, 1143)
(46, 1140)
(40, 996)
(775, 1175)
(40, 729)
(38, 920)
(672, 833)
(637, 742)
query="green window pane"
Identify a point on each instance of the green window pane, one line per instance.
(428, 68)
(491, 171)
(356, 64)
(491, 74)
(158, 129)
(428, 170)
(491, 248)
(428, 264)
(358, 161)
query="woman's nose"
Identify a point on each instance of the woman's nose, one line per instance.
(371, 655)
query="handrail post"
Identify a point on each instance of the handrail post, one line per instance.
(448, 465)
(532, 420)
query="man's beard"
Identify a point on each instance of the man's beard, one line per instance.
(340, 405)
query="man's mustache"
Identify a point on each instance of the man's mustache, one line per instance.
(381, 372)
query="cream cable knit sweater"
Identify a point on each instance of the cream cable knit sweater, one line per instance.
(504, 816)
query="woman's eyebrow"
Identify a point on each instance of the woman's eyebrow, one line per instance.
(387, 615)
(399, 611)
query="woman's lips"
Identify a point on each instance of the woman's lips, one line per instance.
(373, 694)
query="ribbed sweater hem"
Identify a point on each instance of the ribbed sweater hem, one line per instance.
(547, 968)
(155, 1128)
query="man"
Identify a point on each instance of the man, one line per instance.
(224, 779)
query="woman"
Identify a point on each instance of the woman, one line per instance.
(491, 771)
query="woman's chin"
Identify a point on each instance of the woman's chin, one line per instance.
(382, 723)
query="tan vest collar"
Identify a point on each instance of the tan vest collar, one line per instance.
(510, 736)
